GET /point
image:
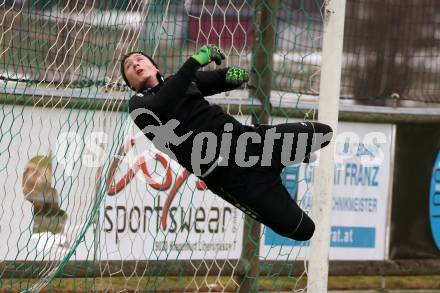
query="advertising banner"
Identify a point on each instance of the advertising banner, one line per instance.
(59, 166)
(155, 209)
(434, 202)
(48, 187)
(363, 153)
(59, 170)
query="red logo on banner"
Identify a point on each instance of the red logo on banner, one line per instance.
(141, 165)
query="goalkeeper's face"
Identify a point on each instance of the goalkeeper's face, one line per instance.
(140, 72)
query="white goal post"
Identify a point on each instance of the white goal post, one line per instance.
(328, 113)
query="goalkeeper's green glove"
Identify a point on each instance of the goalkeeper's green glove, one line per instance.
(237, 75)
(209, 53)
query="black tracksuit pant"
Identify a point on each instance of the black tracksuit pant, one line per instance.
(258, 190)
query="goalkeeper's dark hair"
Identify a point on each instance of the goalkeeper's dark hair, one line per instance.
(125, 58)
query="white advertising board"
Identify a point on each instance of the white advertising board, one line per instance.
(363, 154)
(48, 189)
(163, 212)
(159, 211)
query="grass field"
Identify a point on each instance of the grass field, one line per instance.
(407, 284)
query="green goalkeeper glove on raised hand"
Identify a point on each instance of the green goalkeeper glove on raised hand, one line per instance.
(209, 53)
(237, 75)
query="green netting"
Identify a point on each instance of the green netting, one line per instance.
(68, 218)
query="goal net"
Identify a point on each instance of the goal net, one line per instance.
(87, 203)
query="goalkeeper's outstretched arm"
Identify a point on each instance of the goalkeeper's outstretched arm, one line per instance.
(221, 80)
(217, 81)
(210, 82)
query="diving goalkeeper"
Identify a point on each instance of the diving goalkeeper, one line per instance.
(240, 163)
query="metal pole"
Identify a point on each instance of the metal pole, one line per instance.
(328, 113)
(261, 76)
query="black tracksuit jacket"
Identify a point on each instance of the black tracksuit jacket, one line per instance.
(181, 97)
